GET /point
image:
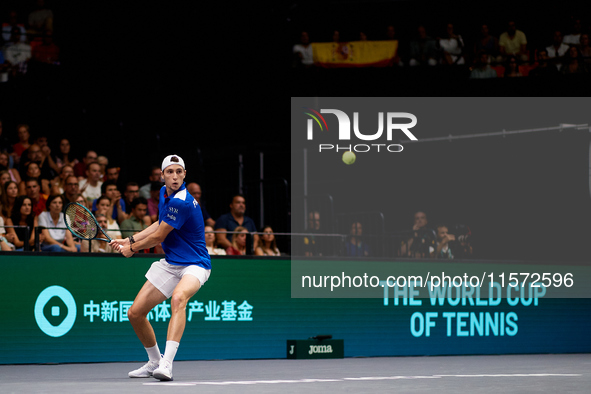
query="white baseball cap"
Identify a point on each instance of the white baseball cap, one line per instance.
(168, 162)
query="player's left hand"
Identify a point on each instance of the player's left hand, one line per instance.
(119, 244)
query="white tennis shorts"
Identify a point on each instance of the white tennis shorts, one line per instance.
(165, 276)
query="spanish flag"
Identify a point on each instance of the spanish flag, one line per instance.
(354, 53)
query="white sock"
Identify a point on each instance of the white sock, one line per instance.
(170, 352)
(154, 353)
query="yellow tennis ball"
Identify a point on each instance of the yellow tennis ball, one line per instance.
(349, 157)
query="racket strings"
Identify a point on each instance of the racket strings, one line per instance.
(81, 222)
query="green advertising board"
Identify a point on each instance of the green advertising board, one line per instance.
(73, 308)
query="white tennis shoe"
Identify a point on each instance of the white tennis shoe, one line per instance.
(146, 371)
(164, 370)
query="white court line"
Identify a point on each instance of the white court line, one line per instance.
(392, 377)
(365, 378)
(503, 375)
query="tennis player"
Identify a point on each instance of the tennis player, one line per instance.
(179, 275)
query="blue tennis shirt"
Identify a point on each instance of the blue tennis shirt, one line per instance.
(185, 245)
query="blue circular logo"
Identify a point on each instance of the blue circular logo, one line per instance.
(67, 323)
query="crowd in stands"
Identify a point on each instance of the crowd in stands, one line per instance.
(484, 55)
(26, 42)
(442, 241)
(439, 242)
(38, 182)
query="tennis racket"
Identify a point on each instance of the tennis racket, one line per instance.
(82, 223)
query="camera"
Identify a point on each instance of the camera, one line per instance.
(461, 246)
(423, 238)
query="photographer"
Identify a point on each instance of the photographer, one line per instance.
(419, 240)
(451, 246)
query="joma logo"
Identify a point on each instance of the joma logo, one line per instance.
(320, 349)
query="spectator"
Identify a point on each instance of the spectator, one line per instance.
(420, 238)
(341, 49)
(585, 49)
(132, 191)
(55, 240)
(482, 69)
(303, 54)
(47, 163)
(103, 206)
(443, 249)
(46, 52)
(462, 246)
(38, 199)
(80, 167)
(33, 172)
(543, 67)
(391, 36)
(230, 221)
(64, 157)
(336, 36)
(452, 47)
(112, 173)
(487, 44)
(117, 208)
(557, 50)
(71, 189)
(22, 215)
(40, 19)
(12, 23)
(12, 172)
(8, 197)
(81, 200)
(4, 177)
(268, 244)
(211, 242)
(513, 42)
(103, 162)
(238, 245)
(155, 176)
(153, 201)
(574, 38)
(4, 67)
(195, 190)
(573, 62)
(91, 185)
(58, 185)
(137, 220)
(35, 155)
(23, 143)
(17, 54)
(391, 33)
(5, 246)
(355, 245)
(312, 246)
(98, 246)
(511, 68)
(423, 49)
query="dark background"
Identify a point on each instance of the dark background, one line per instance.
(144, 80)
